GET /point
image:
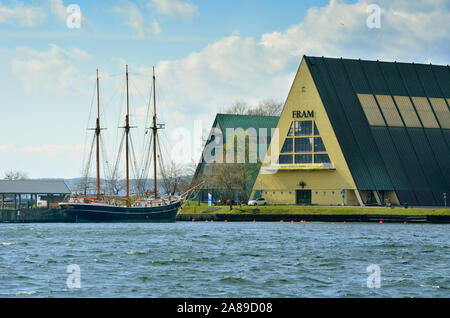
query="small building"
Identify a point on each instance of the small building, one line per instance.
(355, 132)
(252, 131)
(15, 194)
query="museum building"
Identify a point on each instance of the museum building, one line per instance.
(356, 132)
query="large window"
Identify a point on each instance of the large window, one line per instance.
(303, 145)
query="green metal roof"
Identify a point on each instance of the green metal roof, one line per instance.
(415, 162)
(245, 122)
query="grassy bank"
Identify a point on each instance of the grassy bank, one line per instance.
(194, 208)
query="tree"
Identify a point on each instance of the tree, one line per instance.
(176, 178)
(238, 108)
(222, 176)
(235, 175)
(267, 107)
(15, 175)
(115, 184)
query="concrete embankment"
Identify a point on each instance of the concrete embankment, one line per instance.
(35, 216)
(59, 216)
(316, 218)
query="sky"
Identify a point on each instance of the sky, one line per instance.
(207, 55)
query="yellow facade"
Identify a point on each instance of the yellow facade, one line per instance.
(324, 182)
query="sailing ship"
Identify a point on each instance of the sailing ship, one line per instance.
(138, 207)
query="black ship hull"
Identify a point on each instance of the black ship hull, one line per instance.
(83, 212)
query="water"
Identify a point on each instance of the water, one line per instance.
(224, 260)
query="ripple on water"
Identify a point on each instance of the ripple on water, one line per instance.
(234, 280)
(24, 293)
(240, 259)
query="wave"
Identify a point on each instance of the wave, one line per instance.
(24, 293)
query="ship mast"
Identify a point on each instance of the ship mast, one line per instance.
(127, 131)
(155, 130)
(97, 133)
(97, 137)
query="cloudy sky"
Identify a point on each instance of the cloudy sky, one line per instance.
(207, 55)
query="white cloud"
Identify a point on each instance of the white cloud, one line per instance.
(6, 147)
(58, 9)
(174, 8)
(253, 69)
(134, 19)
(50, 71)
(248, 68)
(21, 15)
(256, 68)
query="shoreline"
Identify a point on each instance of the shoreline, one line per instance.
(332, 218)
(390, 216)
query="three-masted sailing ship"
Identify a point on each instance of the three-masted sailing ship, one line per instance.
(139, 207)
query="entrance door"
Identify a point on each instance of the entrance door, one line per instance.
(303, 196)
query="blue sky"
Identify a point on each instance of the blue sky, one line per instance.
(207, 55)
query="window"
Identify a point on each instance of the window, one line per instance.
(370, 108)
(316, 131)
(291, 130)
(303, 145)
(318, 145)
(321, 158)
(299, 159)
(288, 146)
(389, 110)
(303, 128)
(285, 159)
(306, 147)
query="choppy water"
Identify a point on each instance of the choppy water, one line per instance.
(224, 260)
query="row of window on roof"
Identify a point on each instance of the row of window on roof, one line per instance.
(400, 111)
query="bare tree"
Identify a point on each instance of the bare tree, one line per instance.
(15, 175)
(243, 174)
(267, 107)
(238, 108)
(176, 177)
(235, 175)
(221, 176)
(115, 184)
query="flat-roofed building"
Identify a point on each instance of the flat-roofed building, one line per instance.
(26, 193)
